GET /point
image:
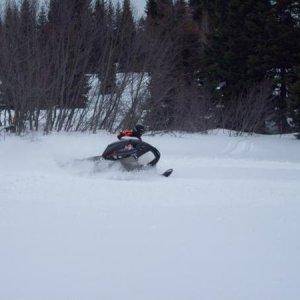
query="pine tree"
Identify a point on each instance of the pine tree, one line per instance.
(172, 27)
(79, 50)
(188, 43)
(126, 35)
(70, 25)
(159, 12)
(42, 28)
(151, 9)
(27, 18)
(284, 36)
(165, 9)
(99, 32)
(54, 13)
(159, 41)
(239, 46)
(27, 41)
(10, 43)
(105, 45)
(216, 10)
(204, 13)
(295, 102)
(249, 42)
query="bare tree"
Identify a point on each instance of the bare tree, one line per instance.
(248, 112)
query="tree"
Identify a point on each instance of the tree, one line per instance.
(99, 34)
(151, 9)
(295, 102)
(159, 13)
(70, 24)
(239, 46)
(284, 36)
(159, 49)
(235, 57)
(105, 45)
(9, 46)
(188, 42)
(126, 33)
(251, 41)
(174, 88)
(18, 55)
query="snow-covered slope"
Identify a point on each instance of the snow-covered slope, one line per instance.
(225, 226)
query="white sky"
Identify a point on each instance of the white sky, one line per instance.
(140, 5)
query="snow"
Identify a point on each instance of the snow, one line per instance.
(225, 225)
(130, 89)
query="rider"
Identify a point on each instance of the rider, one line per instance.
(136, 132)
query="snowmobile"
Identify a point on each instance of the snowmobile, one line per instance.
(133, 154)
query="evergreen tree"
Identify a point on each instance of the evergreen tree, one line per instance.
(284, 36)
(165, 9)
(295, 102)
(249, 42)
(42, 28)
(105, 42)
(151, 9)
(27, 43)
(159, 13)
(172, 27)
(9, 44)
(70, 25)
(216, 10)
(27, 18)
(28, 29)
(99, 32)
(126, 35)
(239, 46)
(188, 43)
(54, 13)
(205, 13)
(159, 32)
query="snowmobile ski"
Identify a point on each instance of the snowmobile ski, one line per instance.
(167, 173)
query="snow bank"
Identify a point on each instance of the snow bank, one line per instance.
(225, 226)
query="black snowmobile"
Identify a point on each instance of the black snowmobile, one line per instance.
(133, 154)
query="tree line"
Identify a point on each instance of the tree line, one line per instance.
(189, 66)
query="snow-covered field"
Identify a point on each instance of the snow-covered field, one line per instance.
(225, 226)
